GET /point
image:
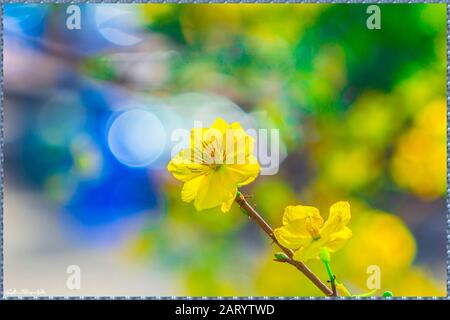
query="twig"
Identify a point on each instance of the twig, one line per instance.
(331, 276)
(333, 287)
(242, 202)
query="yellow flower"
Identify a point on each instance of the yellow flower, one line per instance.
(304, 232)
(219, 160)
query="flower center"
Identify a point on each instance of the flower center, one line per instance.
(312, 228)
(210, 154)
(314, 234)
(215, 166)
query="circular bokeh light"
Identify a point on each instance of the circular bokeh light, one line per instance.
(136, 138)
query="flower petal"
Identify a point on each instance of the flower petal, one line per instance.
(289, 238)
(339, 217)
(184, 169)
(308, 252)
(220, 124)
(190, 188)
(239, 145)
(243, 174)
(226, 206)
(338, 239)
(301, 215)
(214, 190)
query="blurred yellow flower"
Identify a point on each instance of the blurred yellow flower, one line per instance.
(304, 232)
(419, 160)
(219, 160)
(350, 168)
(380, 239)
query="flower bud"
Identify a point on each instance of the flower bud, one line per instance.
(388, 294)
(324, 254)
(281, 257)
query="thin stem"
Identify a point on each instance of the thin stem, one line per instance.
(332, 278)
(252, 213)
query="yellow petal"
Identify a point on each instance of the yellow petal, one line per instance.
(199, 134)
(308, 252)
(226, 206)
(339, 217)
(290, 238)
(184, 169)
(239, 145)
(302, 216)
(190, 188)
(236, 125)
(214, 190)
(338, 239)
(243, 174)
(220, 124)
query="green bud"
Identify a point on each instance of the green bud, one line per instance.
(281, 256)
(388, 294)
(325, 254)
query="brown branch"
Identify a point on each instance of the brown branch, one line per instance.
(240, 200)
(333, 287)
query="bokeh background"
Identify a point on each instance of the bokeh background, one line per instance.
(88, 117)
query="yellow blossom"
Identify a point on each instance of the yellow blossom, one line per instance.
(219, 160)
(305, 232)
